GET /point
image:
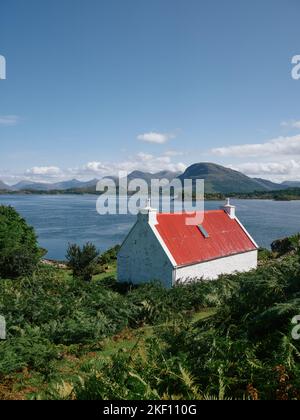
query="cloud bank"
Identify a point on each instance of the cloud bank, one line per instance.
(275, 147)
(97, 169)
(44, 171)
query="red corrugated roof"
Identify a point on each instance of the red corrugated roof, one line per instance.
(188, 245)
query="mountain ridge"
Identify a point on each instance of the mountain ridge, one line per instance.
(218, 179)
(4, 186)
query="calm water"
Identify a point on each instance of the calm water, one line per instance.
(59, 220)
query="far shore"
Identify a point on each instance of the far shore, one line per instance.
(280, 195)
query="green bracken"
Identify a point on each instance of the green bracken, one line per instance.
(224, 339)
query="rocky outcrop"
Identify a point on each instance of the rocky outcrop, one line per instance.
(286, 245)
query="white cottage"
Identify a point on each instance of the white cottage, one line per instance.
(164, 247)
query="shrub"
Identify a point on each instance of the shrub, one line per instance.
(109, 256)
(82, 260)
(19, 252)
(30, 351)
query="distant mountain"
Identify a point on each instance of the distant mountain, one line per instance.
(291, 184)
(219, 179)
(169, 175)
(65, 185)
(60, 186)
(271, 186)
(90, 187)
(28, 185)
(4, 186)
(147, 176)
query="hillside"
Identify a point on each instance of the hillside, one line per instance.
(269, 185)
(58, 186)
(147, 176)
(69, 336)
(219, 179)
(90, 187)
(4, 187)
(102, 340)
(291, 184)
(27, 185)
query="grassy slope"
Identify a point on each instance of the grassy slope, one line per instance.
(74, 359)
(72, 365)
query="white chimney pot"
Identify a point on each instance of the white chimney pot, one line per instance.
(230, 210)
(148, 214)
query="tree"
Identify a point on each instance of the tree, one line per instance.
(110, 255)
(82, 261)
(19, 251)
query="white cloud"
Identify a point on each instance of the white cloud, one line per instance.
(275, 147)
(290, 124)
(275, 171)
(38, 174)
(96, 169)
(9, 120)
(154, 137)
(44, 170)
(142, 161)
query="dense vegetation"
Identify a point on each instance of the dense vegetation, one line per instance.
(19, 252)
(229, 338)
(277, 195)
(68, 338)
(82, 261)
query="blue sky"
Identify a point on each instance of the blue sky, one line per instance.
(97, 86)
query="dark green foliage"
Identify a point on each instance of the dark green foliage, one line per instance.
(265, 255)
(247, 346)
(245, 351)
(19, 252)
(158, 304)
(109, 256)
(27, 351)
(82, 261)
(242, 349)
(49, 301)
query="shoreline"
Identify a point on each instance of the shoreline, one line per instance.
(210, 197)
(54, 263)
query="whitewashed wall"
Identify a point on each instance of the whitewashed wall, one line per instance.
(212, 269)
(142, 259)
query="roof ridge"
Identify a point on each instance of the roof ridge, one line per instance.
(190, 212)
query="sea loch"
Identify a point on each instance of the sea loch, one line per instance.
(61, 219)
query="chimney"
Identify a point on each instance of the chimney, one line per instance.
(148, 214)
(230, 210)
